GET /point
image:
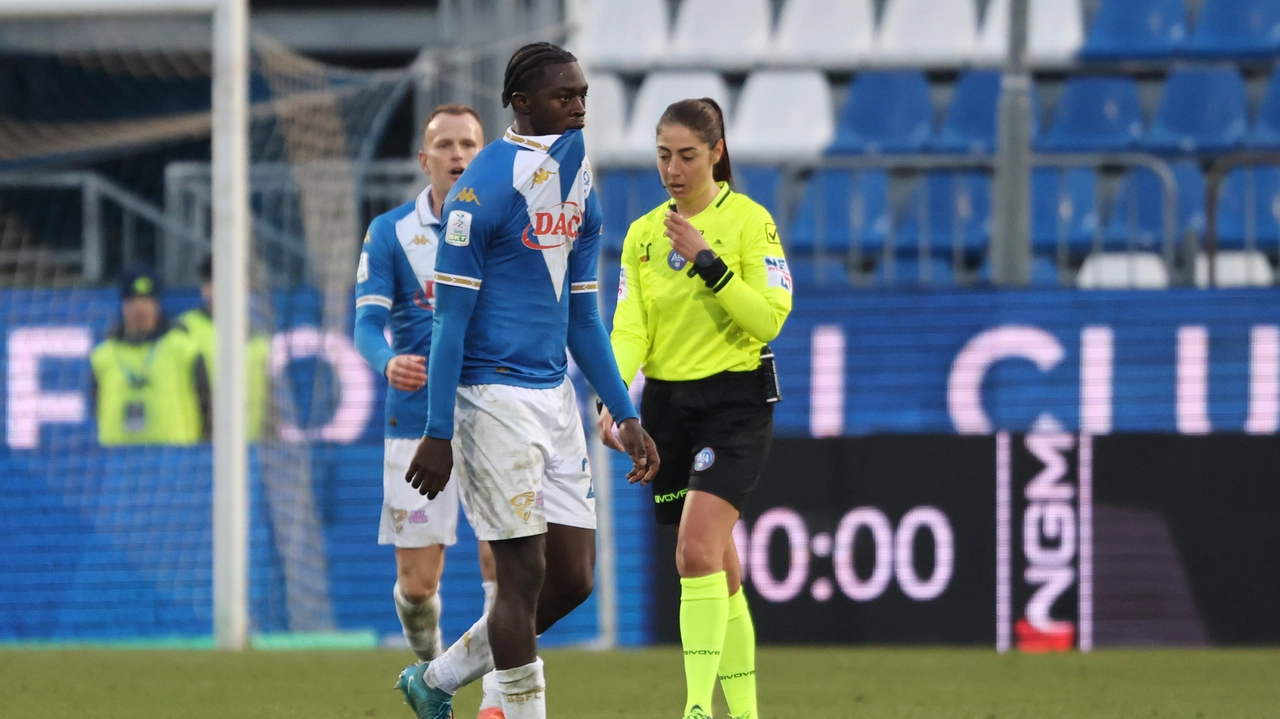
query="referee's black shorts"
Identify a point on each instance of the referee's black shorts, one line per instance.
(712, 434)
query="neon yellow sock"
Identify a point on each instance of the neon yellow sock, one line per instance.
(704, 613)
(738, 660)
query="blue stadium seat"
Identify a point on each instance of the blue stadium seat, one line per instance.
(1044, 272)
(972, 118)
(1137, 217)
(760, 183)
(913, 271)
(1064, 210)
(1136, 30)
(1250, 196)
(1203, 110)
(1095, 114)
(1236, 29)
(1265, 134)
(807, 272)
(959, 210)
(886, 112)
(839, 207)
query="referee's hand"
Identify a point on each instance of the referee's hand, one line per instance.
(431, 466)
(644, 453)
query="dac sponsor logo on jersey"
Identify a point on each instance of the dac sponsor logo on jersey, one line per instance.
(541, 175)
(704, 459)
(467, 194)
(525, 502)
(777, 272)
(622, 284)
(675, 261)
(459, 232)
(561, 223)
(362, 270)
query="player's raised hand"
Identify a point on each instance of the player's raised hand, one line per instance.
(607, 436)
(644, 453)
(432, 463)
(407, 373)
(684, 237)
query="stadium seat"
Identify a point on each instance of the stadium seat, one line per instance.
(782, 116)
(835, 34)
(1203, 110)
(928, 32)
(840, 207)
(972, 118)
(623, 34)
(807, 272)
(724, 34)
(760, 183)
(606, 118)
(1123, 271)
(1095, 114)
(1137, 216)
(932, 271)
(1044, 273)
(1136, 30)
(1236, 29)
(1064, 210)
(659, 90)
(958, 209)
(1265, 134)
(1249, 210)
(1235, 269)
(1054, 37)
(885, 112)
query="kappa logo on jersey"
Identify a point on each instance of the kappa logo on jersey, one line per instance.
(675, 261)
(467, 194)
(459, 233)
(541, 176)
(561, 223)
(779, 275)
(704, 459)
(420, 240)
(524, 503)
(426, 299)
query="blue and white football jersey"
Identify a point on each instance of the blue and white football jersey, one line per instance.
(395, 271)
(522, 228)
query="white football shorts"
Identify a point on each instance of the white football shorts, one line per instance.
(521, 460)
(409, 519)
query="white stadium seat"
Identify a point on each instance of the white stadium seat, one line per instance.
(606, 116)
(659, 90)
(825, 33)
(782, 115)
(623, 34)
(1055, 35)
(928, 32)
(1235, 269)
(1123, 271)
(724, 34)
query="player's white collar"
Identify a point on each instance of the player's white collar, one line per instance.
(537, 143)
(426, 216)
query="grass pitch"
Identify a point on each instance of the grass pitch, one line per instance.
(869, 683)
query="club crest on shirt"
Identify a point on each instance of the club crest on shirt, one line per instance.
(397, 519)
(675, 261)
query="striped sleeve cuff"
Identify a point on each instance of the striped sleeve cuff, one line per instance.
(378, 300)
(468, 283)
(584, 286)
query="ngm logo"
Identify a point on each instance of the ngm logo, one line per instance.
(555, 228)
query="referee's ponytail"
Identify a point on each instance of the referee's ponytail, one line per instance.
(705, 119)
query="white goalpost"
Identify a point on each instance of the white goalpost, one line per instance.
(230, 252)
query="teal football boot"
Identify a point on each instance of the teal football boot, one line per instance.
(426, 702)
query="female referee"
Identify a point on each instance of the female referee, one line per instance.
(704, 286)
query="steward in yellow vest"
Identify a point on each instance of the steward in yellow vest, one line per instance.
(150, 385)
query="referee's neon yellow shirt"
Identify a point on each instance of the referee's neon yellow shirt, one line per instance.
(677, 328)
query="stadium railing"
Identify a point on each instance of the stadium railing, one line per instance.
(1217, 174)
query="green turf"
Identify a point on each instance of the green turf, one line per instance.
(794, 683)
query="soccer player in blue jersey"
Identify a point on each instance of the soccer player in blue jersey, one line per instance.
(516, 286)
(395, 287)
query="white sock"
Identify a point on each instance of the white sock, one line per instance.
(524, 691)
(490, 591)
(466, 661)
(492, 697)
(421, 623)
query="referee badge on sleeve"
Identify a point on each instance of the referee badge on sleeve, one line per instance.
(622, 284)
(777, 272)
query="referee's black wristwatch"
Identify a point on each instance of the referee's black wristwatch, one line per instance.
(711, 268)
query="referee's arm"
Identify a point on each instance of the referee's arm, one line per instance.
(630, 338)
(759, 298)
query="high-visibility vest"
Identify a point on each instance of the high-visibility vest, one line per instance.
(147, 391)
(199, 326)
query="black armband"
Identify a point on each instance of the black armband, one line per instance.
(710, 267)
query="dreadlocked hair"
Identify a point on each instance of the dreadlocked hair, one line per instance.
(705, 119)
(525, 67)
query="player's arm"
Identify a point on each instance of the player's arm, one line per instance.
(375, 292)
(759, 297)
(630, 338)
